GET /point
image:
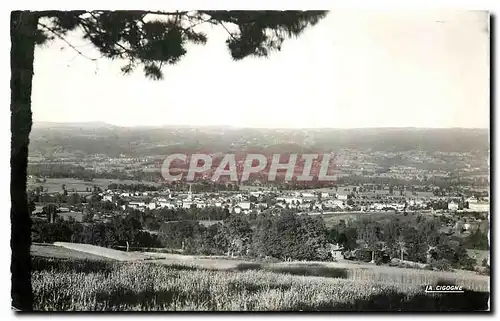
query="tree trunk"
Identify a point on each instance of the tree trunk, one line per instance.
(22, 31)
(373, 257)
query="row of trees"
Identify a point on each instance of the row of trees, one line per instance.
(284, 236)
(59, 198)
(206, 213)
(134, 187)
(81, 173)
(60, 171)
(203, 186)
(415, 239)
(119, 232)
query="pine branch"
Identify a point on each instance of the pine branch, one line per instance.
(66, 41)
(199, 23)
(86, 28)
(223, 26)
(163, 13)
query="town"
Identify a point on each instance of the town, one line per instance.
(251, 199)
(371, 188)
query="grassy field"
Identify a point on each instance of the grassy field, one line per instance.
(54, 184)
(86, 285)
(52, 251)
(354, 271)
(332, 220)
(103, 252)
(373, 273)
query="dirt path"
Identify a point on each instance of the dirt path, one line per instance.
(105, 252)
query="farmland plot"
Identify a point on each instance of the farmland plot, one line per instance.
(104, 252)
(57, 285)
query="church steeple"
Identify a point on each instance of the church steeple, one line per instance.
(190, 194)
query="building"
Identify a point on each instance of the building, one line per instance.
(452, 206)
(472, 200)
(244, 205)
(187, 204)
(479, 207)
(289, 200)
(336, 251)
(67, 216)
(166, 204)
(136, 205)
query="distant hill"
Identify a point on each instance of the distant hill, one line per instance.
(88, 125)
(103, 138)
(400, 139)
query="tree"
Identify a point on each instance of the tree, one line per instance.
(51, 211)
(130, 36)
(74, 199)
(88, 217)
(31, 206)
(312, 238)
(369, 233)
(265, 239)
(238, 233)
(477, 240)
(401, 244)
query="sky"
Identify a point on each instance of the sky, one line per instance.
(354, 69)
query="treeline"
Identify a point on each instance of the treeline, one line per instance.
(425, 185)
(115, 233)
(284, 236)
(477, 240)
(206, 213)
(60, 198)
(81, 173)
(416, 239)
(60, 171)
(204, 186)
(134, 187)
(287, 236)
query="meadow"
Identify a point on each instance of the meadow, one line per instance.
(53, 185)
(88, 285)
(51, 251)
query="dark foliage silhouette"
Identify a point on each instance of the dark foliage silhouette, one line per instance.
(140, 42)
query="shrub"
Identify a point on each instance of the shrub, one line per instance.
(248, 266)
(440, 265)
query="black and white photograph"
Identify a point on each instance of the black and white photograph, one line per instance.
(250, 160)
